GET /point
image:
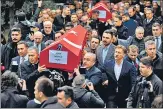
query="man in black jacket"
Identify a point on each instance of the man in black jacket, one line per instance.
(10, 49)
(61, 20)
(83, 97)
(44, 93)
(149, 21)
(95, 23)
(48, 31)
(134, 16)
(65, 97)
(121, 29)
(10, 97)
(147, 86)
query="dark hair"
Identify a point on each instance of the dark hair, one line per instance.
(118, 17)
(132, 7)
(46, 86)
(158, 102)
(146, 61)
(21, 16)
(109, 31)
(126, 14)
(96, 37)
(8, 79)
(74, 14)
(23, 42)
(69, 24)
(68, 91)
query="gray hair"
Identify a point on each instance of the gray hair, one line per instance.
(150, 42)
(33, 48)
(78, 81)
(92, 55)
(47, 22)
(139, 28)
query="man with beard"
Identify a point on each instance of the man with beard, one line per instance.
(10, 49)
(105, 52)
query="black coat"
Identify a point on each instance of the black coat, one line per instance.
(126, 80)
(122, 32)
(98, 25)
(138, 19)
(157, 63)
(51, 103)
(8, 52)
(139, 43)
(10, 98)
(148, 26)
(94, 75)
(134, 99)
(30, 74)
(87, 99)
(46, 37)
(60, 22)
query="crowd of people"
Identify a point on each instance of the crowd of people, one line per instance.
(121, 64)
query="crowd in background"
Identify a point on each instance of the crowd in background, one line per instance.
(121, 65)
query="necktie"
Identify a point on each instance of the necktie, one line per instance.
(157, 43)
(135, 64)
(22, 60)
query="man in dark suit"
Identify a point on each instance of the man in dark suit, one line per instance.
(61, 20)
(31, 71)
(149, 21)
(132, 55)
(92, 73)
(157, 30)
(105, 52)
(22, 48)
(121, 77)
(38, 37)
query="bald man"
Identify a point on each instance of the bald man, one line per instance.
(38, 37)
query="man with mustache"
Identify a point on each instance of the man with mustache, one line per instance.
(105, 52)
(121, 76)
(10, 49)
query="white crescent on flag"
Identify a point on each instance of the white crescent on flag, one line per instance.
(73, 44)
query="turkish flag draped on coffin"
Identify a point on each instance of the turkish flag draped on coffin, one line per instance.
(65, 53)
(104, 12)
